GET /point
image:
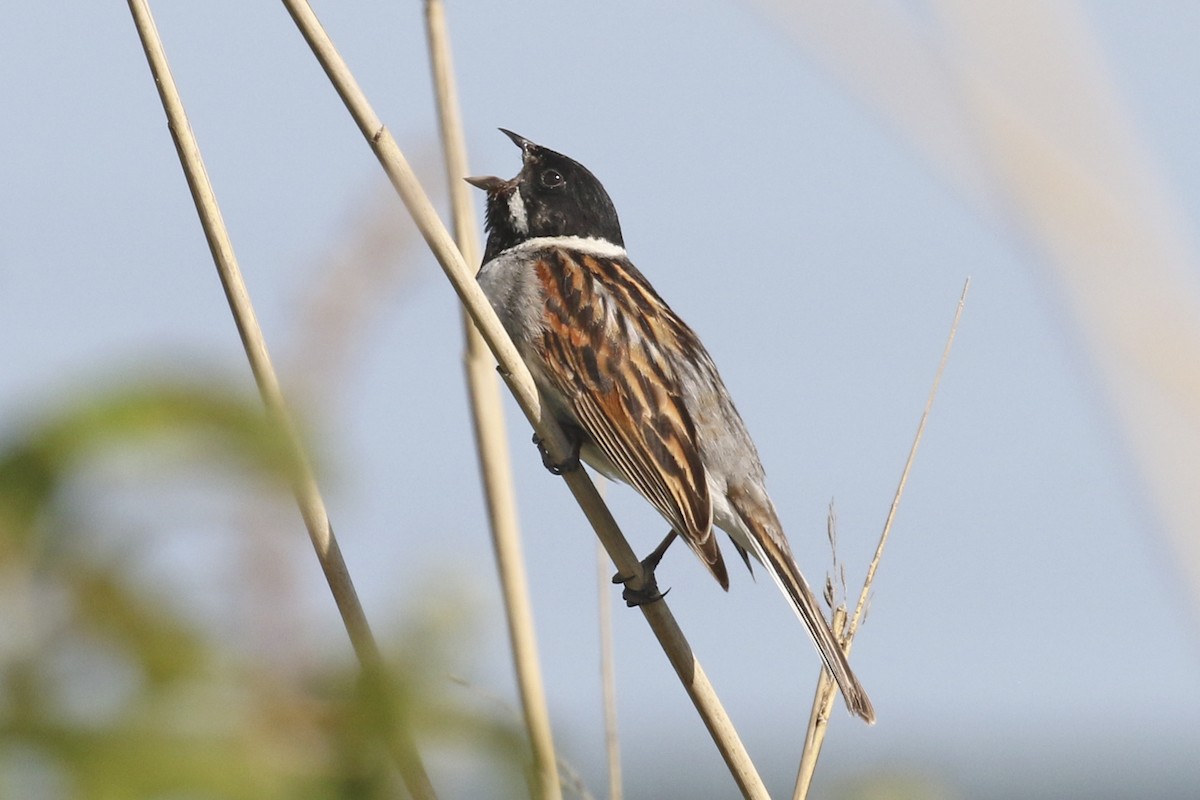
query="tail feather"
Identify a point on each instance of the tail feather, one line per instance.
(773, 551)
(709, 552)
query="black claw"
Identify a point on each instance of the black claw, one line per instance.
(644, 596)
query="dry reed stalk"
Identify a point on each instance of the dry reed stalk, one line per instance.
(824, 696)
(308, 495)
(520, 382)
(487, 415)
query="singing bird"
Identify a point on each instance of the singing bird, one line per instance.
(629, 381)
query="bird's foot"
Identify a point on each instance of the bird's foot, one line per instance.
(559, 467)
(643, 591)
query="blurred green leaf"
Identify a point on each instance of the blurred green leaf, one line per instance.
(106, 691)
(230, 425)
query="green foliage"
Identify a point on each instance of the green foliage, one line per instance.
(108, 691)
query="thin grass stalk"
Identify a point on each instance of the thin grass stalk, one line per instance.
(307, 493)
(824, 696)
(608, 675)
(818, 719)
(487, 415)
(520, 383)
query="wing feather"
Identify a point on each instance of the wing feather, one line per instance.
(607, 350)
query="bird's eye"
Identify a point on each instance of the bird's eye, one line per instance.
(552, 179)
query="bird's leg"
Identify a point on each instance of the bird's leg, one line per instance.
(575, 437)
(648, 591)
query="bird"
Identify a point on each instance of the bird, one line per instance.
(631, 384)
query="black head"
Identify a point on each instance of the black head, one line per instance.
(552, 195)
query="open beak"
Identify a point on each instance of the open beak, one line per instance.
(491, 184)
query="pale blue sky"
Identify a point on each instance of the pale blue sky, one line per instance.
(1026, 615)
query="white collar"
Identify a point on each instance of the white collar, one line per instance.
(592, 246)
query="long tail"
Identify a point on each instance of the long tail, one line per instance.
(773, 552)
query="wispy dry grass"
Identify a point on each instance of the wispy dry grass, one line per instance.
(824, 696)
(353, 285)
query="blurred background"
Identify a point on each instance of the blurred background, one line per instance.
(809, 186)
